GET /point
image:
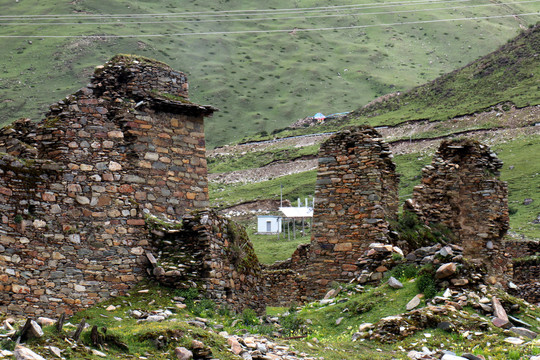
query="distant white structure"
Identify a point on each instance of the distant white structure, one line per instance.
(268, 224)
(298, 213)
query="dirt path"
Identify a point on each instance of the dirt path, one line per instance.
(505, 125)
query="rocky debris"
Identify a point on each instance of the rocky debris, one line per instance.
(446, 270)
(265, 173)
(378, 259)
(150, 316)
(332, 293)
(394, 283)
(500, 317)
(524, 332)
(415, 301)
(260, 348)
(183, 354)
(24, 353)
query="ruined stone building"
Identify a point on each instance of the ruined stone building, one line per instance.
(461, 189)
(75, 187)
(356, 195)
(89, 197)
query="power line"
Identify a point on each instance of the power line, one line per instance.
(232, 12)
(274, 18)
(269, 31)
(100, 17)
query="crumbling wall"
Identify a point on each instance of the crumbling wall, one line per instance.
(461, 190)
(356, 194)
(75, 187)
(211, 253)
(286, 281)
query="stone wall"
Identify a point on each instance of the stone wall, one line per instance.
(356, 194)
(212, 253)
(461, 190)
(74, 188)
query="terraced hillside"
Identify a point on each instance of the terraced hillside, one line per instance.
(506, 116)
(264, 64)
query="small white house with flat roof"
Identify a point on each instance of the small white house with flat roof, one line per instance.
(268, 224)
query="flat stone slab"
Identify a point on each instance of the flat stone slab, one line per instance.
(521, 331)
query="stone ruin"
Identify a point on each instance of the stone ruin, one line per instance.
(210, 252)
(356, 195)
(100, 194)
(357, 199)
(77, 189)
(461, 190)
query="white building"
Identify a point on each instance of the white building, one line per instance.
(268, 224)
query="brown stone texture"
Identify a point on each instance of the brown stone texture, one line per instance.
(212, 253)
(75, 187)
(525, 268)
(461, 189)
(355, 195)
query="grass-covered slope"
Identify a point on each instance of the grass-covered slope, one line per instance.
(511, 74)
(346, 327)
(261, 80)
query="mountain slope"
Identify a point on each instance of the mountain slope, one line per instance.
(499, 91)
(260, 81)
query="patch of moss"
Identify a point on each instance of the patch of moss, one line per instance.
(155, 223)
(156, 94)
(50, 122)
(130, 59)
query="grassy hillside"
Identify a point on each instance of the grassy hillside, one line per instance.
(499, 82)
(510, 76)
(260, 81)
(335, 329)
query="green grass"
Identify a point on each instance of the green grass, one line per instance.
(323, 337)
(523, 182)
(260, 82)
(258, 159)
(480, 85)
(270, 248)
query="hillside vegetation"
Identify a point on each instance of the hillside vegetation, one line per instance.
(494, 99)
(262, 80)
(360, 323)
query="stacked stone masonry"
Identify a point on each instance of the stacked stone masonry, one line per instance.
(88, 197)
(212, 253)
(461, 190)
(356, 195)
(75, 187)
(525, 257)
